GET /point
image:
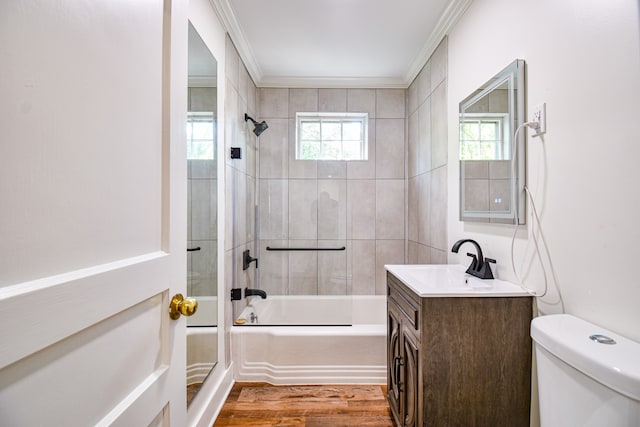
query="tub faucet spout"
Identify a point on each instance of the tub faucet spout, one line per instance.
(479, 265)
(251, 292)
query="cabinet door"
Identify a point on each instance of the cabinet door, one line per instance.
(394, 360)
(410, 380)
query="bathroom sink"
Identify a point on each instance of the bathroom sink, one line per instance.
(441, 280)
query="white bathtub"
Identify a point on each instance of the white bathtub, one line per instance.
(202, 340)
(312, 354)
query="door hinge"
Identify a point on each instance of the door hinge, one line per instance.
(236, 294)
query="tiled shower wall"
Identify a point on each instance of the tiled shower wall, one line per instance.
(356, 204)
(427, 162)
(240, 176)
(202, 204)
(396, 199)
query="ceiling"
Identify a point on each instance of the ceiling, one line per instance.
(337, 43)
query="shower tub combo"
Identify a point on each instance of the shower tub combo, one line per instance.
(343, 351)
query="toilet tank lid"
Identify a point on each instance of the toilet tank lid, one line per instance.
(616, 366)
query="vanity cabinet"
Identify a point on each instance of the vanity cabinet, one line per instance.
(458, 361)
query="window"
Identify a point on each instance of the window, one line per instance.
(481, 138)
(331, 136)
(201, 131)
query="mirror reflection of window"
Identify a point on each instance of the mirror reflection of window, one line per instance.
(201, 130)
(481, 138)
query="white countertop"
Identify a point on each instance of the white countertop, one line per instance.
(450, 280)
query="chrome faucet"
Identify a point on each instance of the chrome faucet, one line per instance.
(251, 292)
(479, 265)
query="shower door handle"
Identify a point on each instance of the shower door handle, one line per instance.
(182, 306)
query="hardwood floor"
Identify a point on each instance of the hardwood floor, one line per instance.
(259, 404)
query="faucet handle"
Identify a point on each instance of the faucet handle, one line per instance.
(491, 260)
(474, 261)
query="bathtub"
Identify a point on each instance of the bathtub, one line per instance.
(282, 355)
(202, 340)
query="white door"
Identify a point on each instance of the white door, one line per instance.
(92, 212)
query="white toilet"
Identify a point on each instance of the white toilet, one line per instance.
(584, 379)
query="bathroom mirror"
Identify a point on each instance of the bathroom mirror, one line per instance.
(492, 164)
(202, 239)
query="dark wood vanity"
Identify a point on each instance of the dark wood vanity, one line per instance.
(458, 360)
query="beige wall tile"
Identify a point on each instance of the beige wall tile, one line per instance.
(273, 103)
(302, 101)
(243, 82)
(274, 150)
(332, 100)
(475, 169)
(362, 101)
(332, 268)
(390, 209)
(438, 256)
(332, 209)
(303, 269)
(252, 98)
(413, 209)
(203, 209)
(412, 97)
(365, 169)
(230, 120)
(332, 169)
(232, 63)
(424, 210)
(303, 209)
(424, 83)
(439, 141)
(390, 148)
(476, 194)
(363, 266)
(203, 99)
(361, 209)
(413, 144)
(274, 208)
(500, 169)
(499, 101)
(438, 208)
(390, 103)
(274, 267)
(424, 139)
(499, 195)
(387, 252)
(203, 169)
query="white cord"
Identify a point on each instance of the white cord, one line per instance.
(534, 215)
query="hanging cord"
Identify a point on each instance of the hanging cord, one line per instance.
(534, 215)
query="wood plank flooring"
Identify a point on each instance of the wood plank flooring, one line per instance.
(259, 404)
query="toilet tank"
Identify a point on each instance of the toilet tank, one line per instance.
(583, 382)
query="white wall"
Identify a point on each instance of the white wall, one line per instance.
(583, 60)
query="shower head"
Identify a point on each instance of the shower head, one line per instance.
(258, 127)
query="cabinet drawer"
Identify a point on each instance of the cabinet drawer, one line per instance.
(408, 303)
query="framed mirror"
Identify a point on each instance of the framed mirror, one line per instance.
(492, 163)
(202, 205)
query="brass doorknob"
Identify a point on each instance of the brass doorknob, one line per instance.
(181, 305)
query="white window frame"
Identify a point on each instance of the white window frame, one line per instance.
(203, 117)
(342, 118)
(501, 142)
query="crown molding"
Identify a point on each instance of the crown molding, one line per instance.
(332, 82)
(448, 19)
(230, 23)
